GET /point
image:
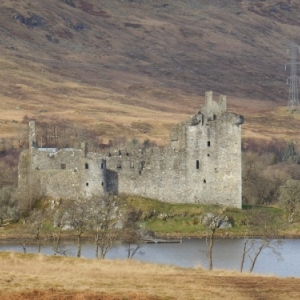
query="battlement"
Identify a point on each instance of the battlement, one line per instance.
(211, 109)
(211, 113)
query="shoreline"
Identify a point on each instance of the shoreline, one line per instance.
(160, 237)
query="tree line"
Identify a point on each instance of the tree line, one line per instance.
(272, 179)
(103, 220)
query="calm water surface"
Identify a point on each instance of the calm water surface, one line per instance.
(193, 253)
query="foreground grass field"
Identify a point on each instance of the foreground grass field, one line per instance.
(28, 276)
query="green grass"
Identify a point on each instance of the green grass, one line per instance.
(185, 219)
(177, 225)
(179, 220)
(147, 205)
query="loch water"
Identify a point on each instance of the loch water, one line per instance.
(191, 253)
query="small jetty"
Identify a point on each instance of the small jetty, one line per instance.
(161, 241)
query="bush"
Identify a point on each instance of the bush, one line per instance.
(8, 204)
(196, 220)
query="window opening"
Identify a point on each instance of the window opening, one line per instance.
(141, 167)
(208, 143)
(208, 155)
(197, 164)
(204, 181)
(86, 166)
(102, 183)
(102, 166)
(87, 184)
(63, 166)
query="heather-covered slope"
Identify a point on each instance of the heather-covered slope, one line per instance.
(136, 67)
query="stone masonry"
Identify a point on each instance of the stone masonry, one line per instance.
(202, 164)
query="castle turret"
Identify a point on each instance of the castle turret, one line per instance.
(211, 109)
(84, 149)
(32, 135)
(223, 103)
(208, 97)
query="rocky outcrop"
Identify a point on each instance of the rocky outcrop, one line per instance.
(32, 21)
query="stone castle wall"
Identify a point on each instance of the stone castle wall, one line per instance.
(201, 165)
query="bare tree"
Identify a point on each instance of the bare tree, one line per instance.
(8, 205)
(260, 184)
(212, 222)
(132, 236)
(104, 218)
(61, 222)
(289, 198)
(24, 242)
(133, 241)
(264, 225)
(77, 214)
(290, 154)
(8, 174)
(36, 221)
(246, 248)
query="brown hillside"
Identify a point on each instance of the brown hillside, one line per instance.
(136, 67)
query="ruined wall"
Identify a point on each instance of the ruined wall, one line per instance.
(156, 173)
(60, 173)
(24, 176)
(201, 165)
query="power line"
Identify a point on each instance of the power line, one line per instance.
(293, 80)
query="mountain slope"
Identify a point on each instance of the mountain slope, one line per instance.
(125, 62)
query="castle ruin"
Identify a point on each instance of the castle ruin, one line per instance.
(202, 164)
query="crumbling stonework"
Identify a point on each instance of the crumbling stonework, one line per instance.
(202, 164)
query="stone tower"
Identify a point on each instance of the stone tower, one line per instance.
(32, 135)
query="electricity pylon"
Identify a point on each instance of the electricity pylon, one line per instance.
(293, 80)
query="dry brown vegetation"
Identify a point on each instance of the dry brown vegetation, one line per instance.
(134, 68)
(41, 277)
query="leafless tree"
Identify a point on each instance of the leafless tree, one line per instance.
(133, 241)
(36, 221)
(24, 242)
(8, 205)
(212, 221)
(264, 225)
(289, 198)
(8, 174)
(132, 236)
(261, 181)
(61, 223)
(77, 214)
(104, 218)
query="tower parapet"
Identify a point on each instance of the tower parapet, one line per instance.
(211, 109)
(32, 135)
